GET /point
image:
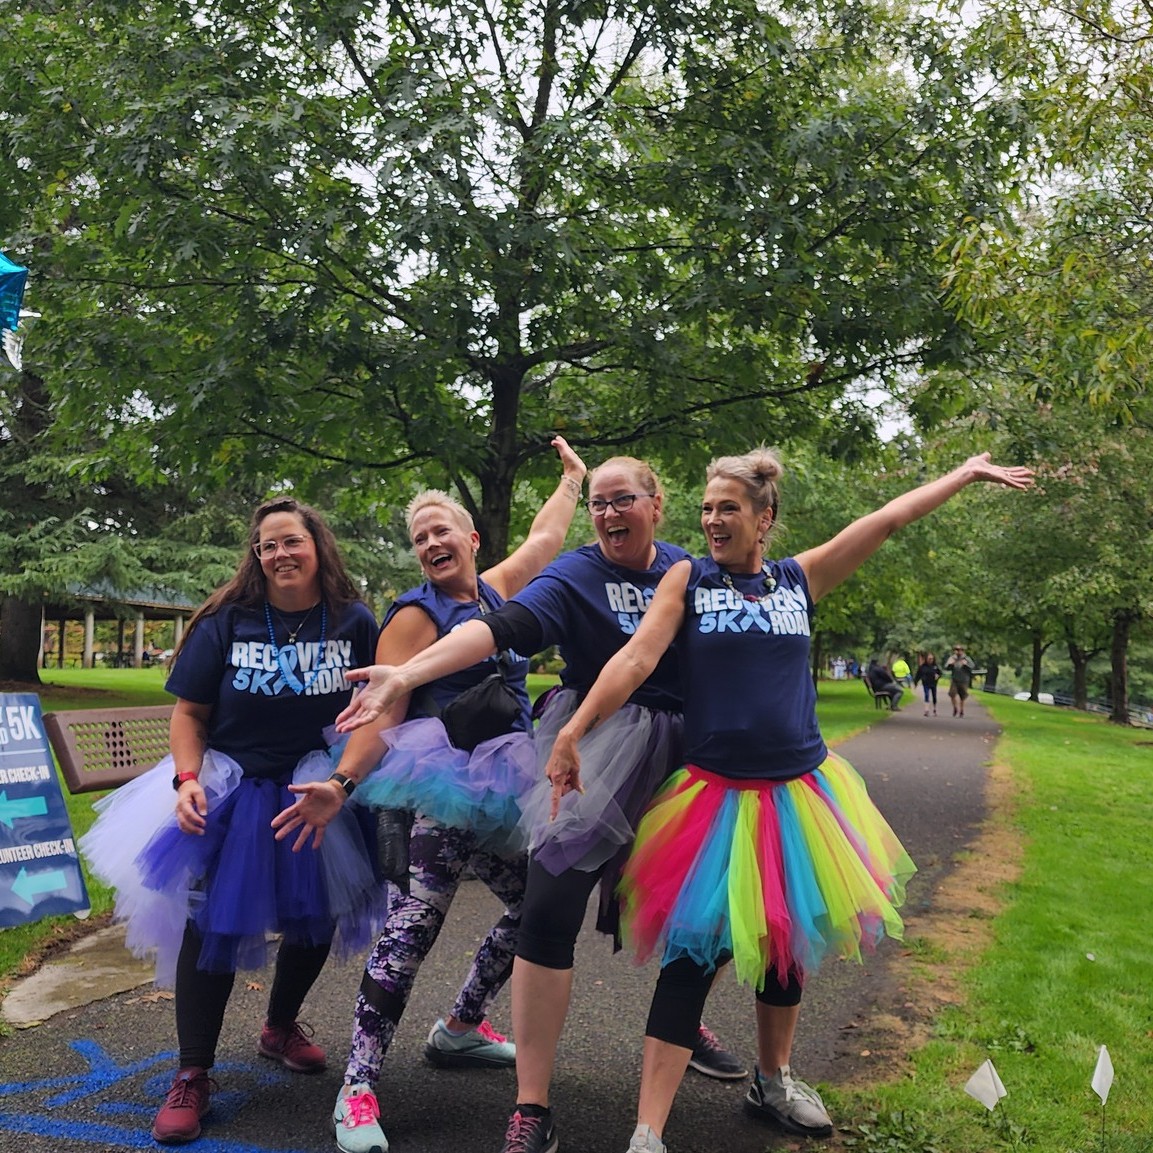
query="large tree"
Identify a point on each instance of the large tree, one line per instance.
(375, 237)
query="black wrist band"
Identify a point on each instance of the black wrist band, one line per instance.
(346, 783)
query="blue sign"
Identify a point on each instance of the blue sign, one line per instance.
(39, 868)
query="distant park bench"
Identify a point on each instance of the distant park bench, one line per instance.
(881, 700)
(104, 748)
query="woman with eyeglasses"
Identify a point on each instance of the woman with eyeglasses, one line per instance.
(202, 883)
(589, 602)
(763, 848)
(462, 781)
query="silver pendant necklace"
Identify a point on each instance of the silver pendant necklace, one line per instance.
(293, 633)
(768, 583)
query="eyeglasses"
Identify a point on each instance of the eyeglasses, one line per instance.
(622, 503)
(266, 549)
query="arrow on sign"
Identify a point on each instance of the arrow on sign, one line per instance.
(28, 886)
(11, 811)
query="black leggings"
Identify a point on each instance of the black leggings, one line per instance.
(552, 914)
(679, 999)
(201, 997)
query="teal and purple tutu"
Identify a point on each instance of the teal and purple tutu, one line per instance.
(236, 883)
(480, 791)
(775, 874)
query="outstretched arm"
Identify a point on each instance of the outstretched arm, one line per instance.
(827, 565)
(547, 533)
(620, 677)
(387, 683)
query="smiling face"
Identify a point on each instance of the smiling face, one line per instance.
(734, 530)
(292, 579)
(445, 548)
(625, 538)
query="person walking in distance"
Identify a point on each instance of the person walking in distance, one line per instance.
(927, 675)
(960, 667)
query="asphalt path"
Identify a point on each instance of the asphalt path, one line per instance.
(90, 1079)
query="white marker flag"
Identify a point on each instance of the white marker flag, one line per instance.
(1103, 1075)
(986, 1086)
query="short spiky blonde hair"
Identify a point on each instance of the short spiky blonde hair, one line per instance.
(435, 497)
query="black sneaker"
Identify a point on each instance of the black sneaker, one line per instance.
(530, 1133)
(712, 1059)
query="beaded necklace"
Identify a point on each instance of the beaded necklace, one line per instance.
(769, 583)
(293, 633)
(286, 670)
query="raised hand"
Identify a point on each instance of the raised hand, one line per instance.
(571, 464)
(1012, 476)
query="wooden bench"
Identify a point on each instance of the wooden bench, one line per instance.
(881, 700)
(104, 748)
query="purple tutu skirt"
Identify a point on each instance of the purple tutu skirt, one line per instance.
(623, 763)
(478, 791)
(236, 883)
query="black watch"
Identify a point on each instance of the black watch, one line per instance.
(346, 783)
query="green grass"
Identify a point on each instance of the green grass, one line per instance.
(103, 688)
(1068, 966)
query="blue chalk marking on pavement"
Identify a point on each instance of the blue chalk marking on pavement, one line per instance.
(120, 1138)
(103, 1073)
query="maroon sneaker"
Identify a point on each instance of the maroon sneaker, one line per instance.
(290, 1045)
(188, 1100)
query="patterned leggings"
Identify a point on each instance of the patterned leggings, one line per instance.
(437, 858)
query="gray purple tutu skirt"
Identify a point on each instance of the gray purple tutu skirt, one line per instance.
(623, 763)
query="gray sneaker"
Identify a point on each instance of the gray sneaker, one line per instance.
(482, 1046)
(793, 1105)
(356, 1121)
(645, 1141)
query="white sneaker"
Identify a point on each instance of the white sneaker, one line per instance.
(482, 1046)
(645, 1141)
(355, 1121)
(793, 1105)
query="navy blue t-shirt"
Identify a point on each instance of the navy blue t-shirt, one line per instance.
(449, 614)
(591, 607)
(751, 707)
(257, 719)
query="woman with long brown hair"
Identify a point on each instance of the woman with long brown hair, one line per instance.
(202, 882)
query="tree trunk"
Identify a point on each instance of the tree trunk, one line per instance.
(817, 658)
(1080, 659)
(19, 640)
(1039, 648)
(1119, 657)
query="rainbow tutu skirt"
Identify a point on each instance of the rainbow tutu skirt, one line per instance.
(775, 874)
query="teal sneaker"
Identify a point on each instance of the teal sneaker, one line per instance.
(482, 1046)
(356, 1121)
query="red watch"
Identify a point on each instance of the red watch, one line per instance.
(180, 778)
